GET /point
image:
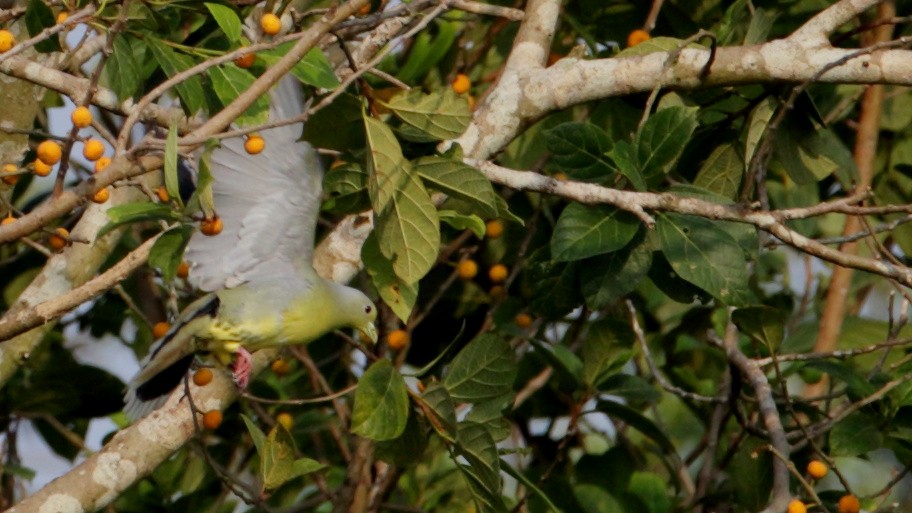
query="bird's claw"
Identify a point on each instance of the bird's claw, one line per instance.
(242, 367)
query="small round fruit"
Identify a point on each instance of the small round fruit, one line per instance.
(494, 229)
(212, 419)
(62, 17)
(286, 420)
(101, 196)
(497, 292)
(102, 163)
(796, 506)
(162, 193)
(211, 227)
(817, 469)
(467, 269)
(7, 40)
(183, 270)
(561, 177)
(9, 178)
(271, 24)
(636, 37)
(81, 117)
(461, 83)
(254, 144)
(498, 273)
(849, 504)
(396, 340)
(93, 150)
(245, 61)
(522, 320)
(280, 367)
(160, 329)
(40, 168)
(49, 152)
(8, 219)
(58, 240)
(202, 377)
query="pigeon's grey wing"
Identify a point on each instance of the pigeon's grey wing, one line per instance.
(268, 203)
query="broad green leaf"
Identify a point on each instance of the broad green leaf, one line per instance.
(463, 222)
(38, 16)
(744, 234)
(757, 123)
(314, 69)
(168, 250)
(484, 369)
(731, 27)
(259, 438)
(171, 178)
(583, 231)
(339, 126)
(458, 180)
(522, 478)
(277, 460)
(657, 44)
(135, 212)
(639, 422)
(858, 385)
(568, 366)
(408, 448)
(855, 435)
(227, 20)
(490, 414)
(706, 255)
(633, 388)
(441, 410)
(753, 480)
(722, 171)
(661, 140)
(764, 324)
(809, 153)
(426, 50)
(761, 25)
(122, 70)
(652, 490)
(624, 156)
(441, 115)
(475, 444)
(408, 230)
(346, 186)
(607, 278)
(397, 294)
(190, 90)
(595, 499)
(578, 149)
(381, 403)
(230, 81)
(555, 285)
(607, 347)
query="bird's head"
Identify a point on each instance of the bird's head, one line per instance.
(361, 312)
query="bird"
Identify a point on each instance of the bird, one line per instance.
(258, 276)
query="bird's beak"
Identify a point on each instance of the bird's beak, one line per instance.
(370, 331)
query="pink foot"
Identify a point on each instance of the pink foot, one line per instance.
(242, 367)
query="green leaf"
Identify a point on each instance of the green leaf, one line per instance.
(855, 435)
(639, 422)
(606, 349)
(123, 71)
(171, 178)
(346, 186)
(458, 180)
(651, 489)
(522, 478)
(38, 16)
(764, 324)
(190, 90)
(230, 81)
(407, 227)
(490, 414)
(753, 480)
(441, 410)
(607, 278)
(259, 439)
(441, 114)
(339, 126)
(227, 20)
(704, 254)
(484, 369)
(722, 171)
(632, 388)
(662, 139)
(426, 50)
(135, 212)
(657, 44)
(408, 448)
(624, 156)
(168, 250)
(397, 294)
(314, 69)
(568, 366)
(757, 123)
(277, 460)
(578, 149)
(475, 444)
(381, 403)
(583, 231)
(555, 285)
(463, 222)
(595, 499)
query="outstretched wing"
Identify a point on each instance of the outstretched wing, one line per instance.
(268, 203)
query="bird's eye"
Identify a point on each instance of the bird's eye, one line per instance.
(368, 309)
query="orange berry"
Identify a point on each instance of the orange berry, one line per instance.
(183, 270)
(62, 17)
(8, 219)
(212, 419)
(494, 229)
(280, 367)
(58, 240)
(9, 178)
(286, 420)
(796, 506)
(7, 40)
(471, 101)
(522, 320)
(421, 386)
(254, 144)
(397, 340)
(461, 83)
(467, 269)
(271, 24)
(245, 61)
(498, 273)
(365, 9)
(849, 504)
(202, 377)
(81, 117)
(49, 152)
(93, 150)
(159, 329)
(817, 469)
(102, 163)
(162, 193)
(212, 226)
(40, 168)
(102, 195)
(497, 292)
(636, 37)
